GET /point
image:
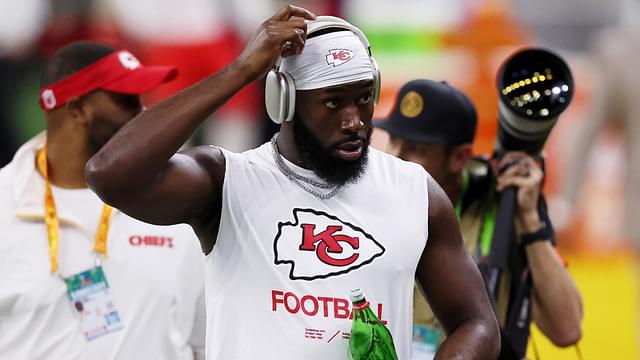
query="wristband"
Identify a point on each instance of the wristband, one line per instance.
(541, 235)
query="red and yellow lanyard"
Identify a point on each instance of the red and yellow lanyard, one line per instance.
(53, 224)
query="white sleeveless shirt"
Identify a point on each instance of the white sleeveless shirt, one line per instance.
(278, 278)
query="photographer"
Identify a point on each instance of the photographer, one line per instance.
(434, 124)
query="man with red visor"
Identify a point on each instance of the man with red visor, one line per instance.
(81, 280)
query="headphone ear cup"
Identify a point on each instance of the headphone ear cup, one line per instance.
(376, 80)
(273, 97)
(279, 96)
(290, 100)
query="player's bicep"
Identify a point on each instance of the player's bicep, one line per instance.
(186, 189)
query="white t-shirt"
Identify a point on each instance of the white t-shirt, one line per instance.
(155, 274)
(279, 276)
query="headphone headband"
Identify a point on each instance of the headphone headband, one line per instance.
(327, 22)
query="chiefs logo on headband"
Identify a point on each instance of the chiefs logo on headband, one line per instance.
(337, 57)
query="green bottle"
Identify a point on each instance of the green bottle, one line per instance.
(370, 339)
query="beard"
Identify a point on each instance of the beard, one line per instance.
(330, 168)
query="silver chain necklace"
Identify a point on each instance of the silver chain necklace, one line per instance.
(300, 180)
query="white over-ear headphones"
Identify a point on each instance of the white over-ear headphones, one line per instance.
(280, 90)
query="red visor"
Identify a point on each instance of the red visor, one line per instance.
(119, 72)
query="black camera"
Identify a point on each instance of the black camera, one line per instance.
(535, 86)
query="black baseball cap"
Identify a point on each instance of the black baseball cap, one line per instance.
(432, 112)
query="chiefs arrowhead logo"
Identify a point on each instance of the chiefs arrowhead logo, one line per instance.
(49, 99)
(337, 57)
(318, 245)
(128, 61)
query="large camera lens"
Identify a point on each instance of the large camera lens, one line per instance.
(534, 86)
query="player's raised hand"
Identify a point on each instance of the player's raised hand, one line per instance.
(283, 35)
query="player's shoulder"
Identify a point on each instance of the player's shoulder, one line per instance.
(259, 154)
(392, 172)
(390, 162)
(207, 155)
(393, 166)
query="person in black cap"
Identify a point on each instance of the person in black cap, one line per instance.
(434, 124)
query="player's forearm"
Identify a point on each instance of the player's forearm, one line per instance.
(558, 305)
(473, 339)
(137, 154)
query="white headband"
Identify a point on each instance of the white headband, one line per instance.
(328, 60)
